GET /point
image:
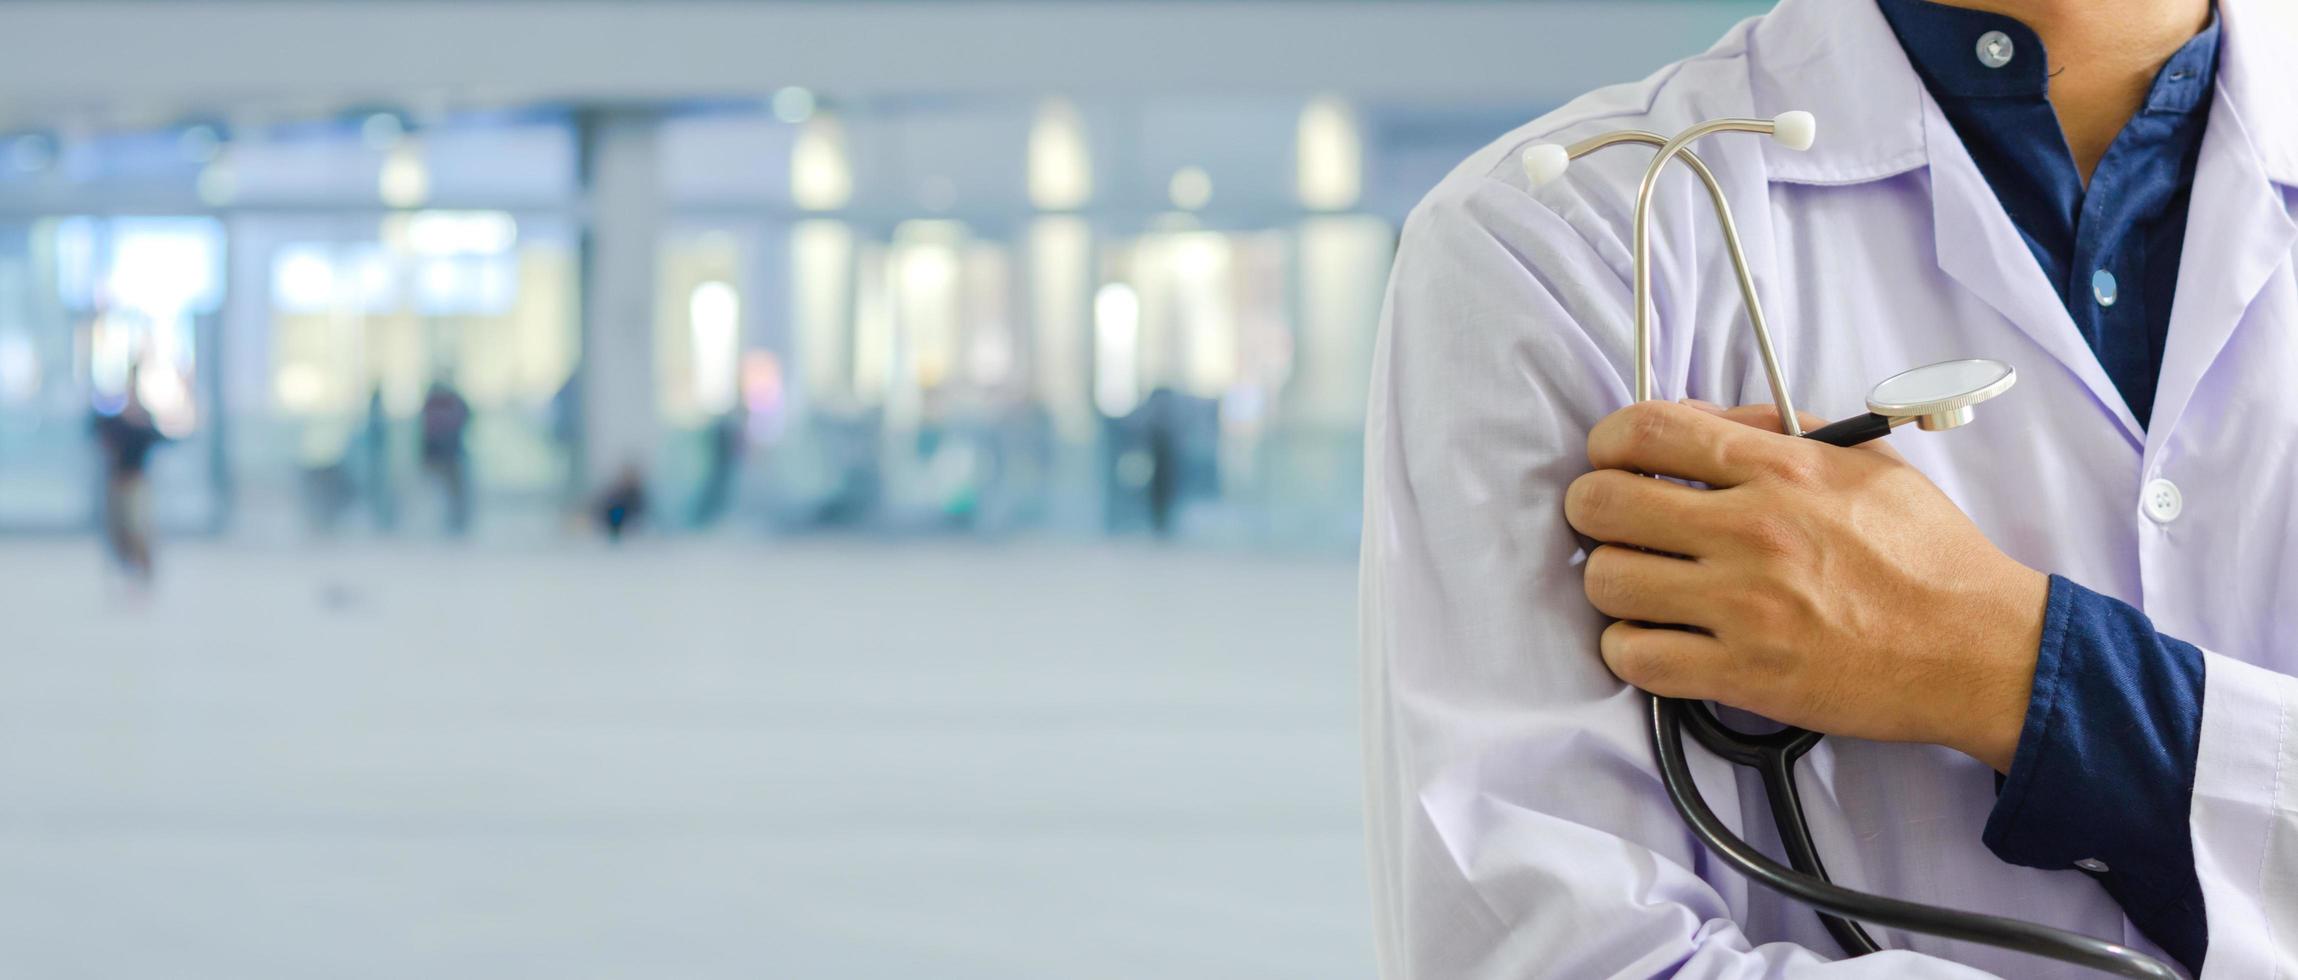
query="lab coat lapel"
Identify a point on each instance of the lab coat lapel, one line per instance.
(2238, 231)
(1979, 247)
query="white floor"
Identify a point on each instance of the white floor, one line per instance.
(814, 760)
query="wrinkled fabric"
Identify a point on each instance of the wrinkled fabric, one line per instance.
(1516, 821)
(2129, 221)
(2105, 766)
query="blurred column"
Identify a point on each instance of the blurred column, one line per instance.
(622, 175)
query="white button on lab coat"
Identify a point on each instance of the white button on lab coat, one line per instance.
(1517, 823)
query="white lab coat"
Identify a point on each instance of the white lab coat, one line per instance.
(1516, 820)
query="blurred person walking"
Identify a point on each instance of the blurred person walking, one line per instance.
(375, 448)
(126, 438)
(1164, 460)
(728, 435)
(445, 418)
(623, 504)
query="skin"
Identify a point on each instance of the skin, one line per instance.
(1839, 589)
(2104, 55)
(1835, 589)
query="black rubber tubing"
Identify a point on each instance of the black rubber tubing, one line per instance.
(1774, 755)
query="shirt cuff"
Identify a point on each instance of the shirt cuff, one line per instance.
(2103, 777)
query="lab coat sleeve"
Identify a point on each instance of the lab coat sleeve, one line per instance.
(1517, 825)
(2245, 819)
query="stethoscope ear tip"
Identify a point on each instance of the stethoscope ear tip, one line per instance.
(1544, 162)
(1794, 129)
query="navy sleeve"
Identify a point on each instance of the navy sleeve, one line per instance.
(2104, 772)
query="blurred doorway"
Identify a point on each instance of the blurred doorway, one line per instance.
(370, 317)
(88, 303)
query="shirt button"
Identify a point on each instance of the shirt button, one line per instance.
(2162, 501)
(2103, 287)
(1994, 49)
(2092, 865)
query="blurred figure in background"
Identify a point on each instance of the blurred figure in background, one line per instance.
(1164, 439)
(126, 438)
(623, 504)
(445, 417)
(727, 438)
(375, 450)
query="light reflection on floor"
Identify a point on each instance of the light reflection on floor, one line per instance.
(689, 760)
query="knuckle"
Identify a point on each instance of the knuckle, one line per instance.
(1800, 469)
(1609, 587)
(1630, 658)
(1588, 499)
(1647, 425)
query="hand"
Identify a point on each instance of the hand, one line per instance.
(1833, 589)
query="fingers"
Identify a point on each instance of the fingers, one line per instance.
(1766, 417)
(1761, 416)
(1622, 508)
(1668, 662)
(1625, 583)
(1677, 440)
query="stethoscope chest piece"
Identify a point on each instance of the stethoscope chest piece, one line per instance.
(1940, 396)
(1934, 397)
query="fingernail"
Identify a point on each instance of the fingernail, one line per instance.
(1703, 405)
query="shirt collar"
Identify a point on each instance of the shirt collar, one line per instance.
(1840, 60)
(1946, 45)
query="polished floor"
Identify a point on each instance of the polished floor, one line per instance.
(821, 760)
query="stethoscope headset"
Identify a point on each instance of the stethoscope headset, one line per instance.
(1935, 397)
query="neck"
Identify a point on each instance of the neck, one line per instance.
(2104, 55)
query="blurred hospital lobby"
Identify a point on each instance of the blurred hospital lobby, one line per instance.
(709, 488)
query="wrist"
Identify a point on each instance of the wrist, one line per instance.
(2008, 637)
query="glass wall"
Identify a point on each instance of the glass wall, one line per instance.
(1005, 314)
(372, 322)
(90, 307)
(933, 316)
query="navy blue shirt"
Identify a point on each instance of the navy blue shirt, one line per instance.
(2104, 772)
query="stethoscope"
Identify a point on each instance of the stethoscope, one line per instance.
(1935, 397)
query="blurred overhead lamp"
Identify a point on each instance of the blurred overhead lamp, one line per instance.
(382, 130)
(405, 180)
(1060, 165)
(821, 177)
(200, 142)
(1328, 156)
(793, 104)
(218, 182)
(1191, 188)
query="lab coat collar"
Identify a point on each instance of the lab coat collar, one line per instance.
(2258, 75)
(1838, 60)
(1976, 244)
(2238, 232)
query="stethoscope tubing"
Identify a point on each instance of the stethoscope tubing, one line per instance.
(1667, 716)
(1774, 755)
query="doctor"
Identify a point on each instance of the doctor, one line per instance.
(2058, 644)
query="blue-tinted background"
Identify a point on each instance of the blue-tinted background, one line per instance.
(994, 373)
